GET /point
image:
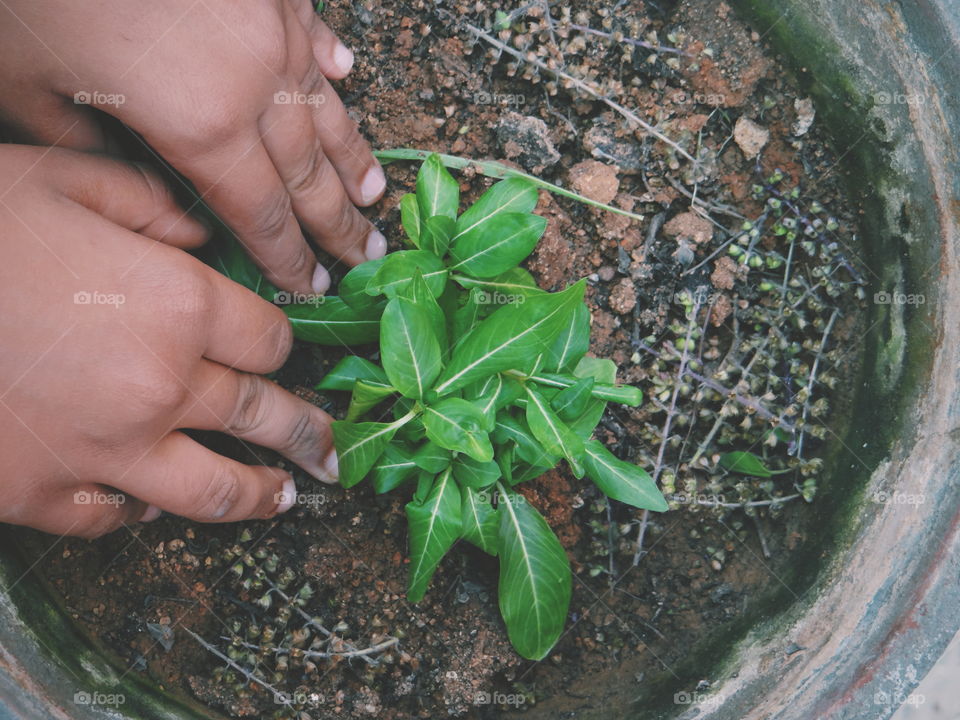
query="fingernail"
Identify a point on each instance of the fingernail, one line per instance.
(287, 496)
(343, 58)
(376, 246)
(332, 465)
(321, 280)
(150, 514)
(373, 185)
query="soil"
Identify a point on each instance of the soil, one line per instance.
(421, 81)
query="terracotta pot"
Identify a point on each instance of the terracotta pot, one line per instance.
(861, 619)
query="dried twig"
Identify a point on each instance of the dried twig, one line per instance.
(318, 654)
(577, 83)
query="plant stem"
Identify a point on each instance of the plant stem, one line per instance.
(498, 171)
(630, 41)
(251, 677)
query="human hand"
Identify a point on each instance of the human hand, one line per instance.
(232, 93)
(110, 342)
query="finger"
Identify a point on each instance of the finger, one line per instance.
(183, 477)
(313, 51)
(130, 195)
(53, 120)
(315, 188)
(244, 331)
(241, 184)
(334, 58)
(258, 411)
(342, 142)
(89, 511)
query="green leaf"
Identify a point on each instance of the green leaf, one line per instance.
(353, 287)
(535, 579)
(333, 323)
(436, 233)
(550, 430)
(424, 486)
(366, 396)
(437, 192)
(419, 292)
(623, 394)
(391, 470)
(529, 449)
(410, 218)
(587, 421)
(570, 403)
(481, 521)
(513, 195)
(571, 344)
(603, 370)
(465, 318)
(350, 369)
(360, 445)
(745, 463)
(459, 425)
(409, 348)
(472, 473)
(621, 480)
(515, 282)
(434, 526)
(398, 269)
(509, 337)
(431, 458)
(230, 258)
(502, 243)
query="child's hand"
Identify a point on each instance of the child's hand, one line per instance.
(233, 93)
(111, 341)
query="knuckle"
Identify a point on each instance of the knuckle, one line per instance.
(269, 43)
(272, 219)
(98, 524)
(248, 412)
(280, 338)
(221, 493)
(347, 222)
(157, 388)
(303, 435)
(313, 172)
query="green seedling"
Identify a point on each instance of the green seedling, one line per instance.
(483, 383)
